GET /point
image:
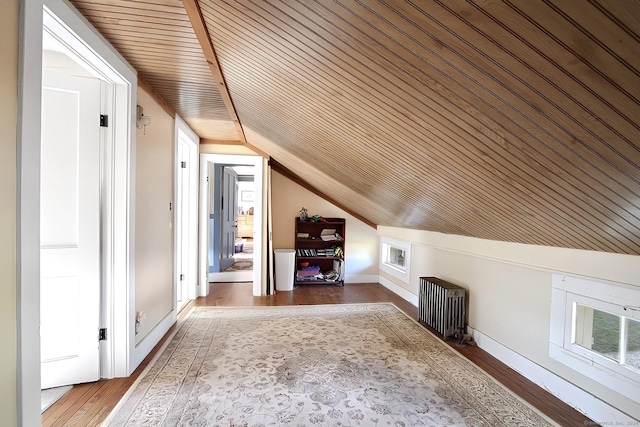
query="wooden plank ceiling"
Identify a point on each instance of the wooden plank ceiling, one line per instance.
(157, 39)
(507, 120)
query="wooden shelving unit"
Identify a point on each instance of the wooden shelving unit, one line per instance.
(320, 251)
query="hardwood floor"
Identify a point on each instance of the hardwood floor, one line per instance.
(89, 404)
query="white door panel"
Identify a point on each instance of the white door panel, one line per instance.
(54, 318)
(60, 154)
(70, 233)
(182, 226)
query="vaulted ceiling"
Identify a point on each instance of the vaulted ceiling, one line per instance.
(515, 120)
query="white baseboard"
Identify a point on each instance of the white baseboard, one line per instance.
(400, 291)
(142, 349)
(572, 395)
(361, 278)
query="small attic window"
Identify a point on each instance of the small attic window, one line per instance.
(394, 257)
(595, 330)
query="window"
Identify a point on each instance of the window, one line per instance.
(600, 334)
(595, 329)
(395, 256)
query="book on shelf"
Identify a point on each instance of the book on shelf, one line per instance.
(329, 235)
(306, 252)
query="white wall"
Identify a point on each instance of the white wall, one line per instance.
(154, 221)
(8, 146)
(509, 288)
(361, 245)
(245, 186)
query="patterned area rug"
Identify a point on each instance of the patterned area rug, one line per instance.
(240, 265)
(331, 365)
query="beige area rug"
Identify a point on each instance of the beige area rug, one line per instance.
(241, 265)
(331, 365)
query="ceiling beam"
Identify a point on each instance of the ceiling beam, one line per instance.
(200, 28)
(235, 142)
(221, 141)
(258, 151)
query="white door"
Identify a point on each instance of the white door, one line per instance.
(186, 217)
(70, 230)
(229, 217)
(182, 222)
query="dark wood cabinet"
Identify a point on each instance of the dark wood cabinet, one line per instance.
(320, 251)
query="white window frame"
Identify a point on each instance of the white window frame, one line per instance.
(386, 244)
(618, 299)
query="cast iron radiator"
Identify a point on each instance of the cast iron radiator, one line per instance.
(441, 305)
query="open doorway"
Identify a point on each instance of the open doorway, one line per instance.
(231, 248)
(219, 234)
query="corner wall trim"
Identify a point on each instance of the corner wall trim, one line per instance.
(573, 396)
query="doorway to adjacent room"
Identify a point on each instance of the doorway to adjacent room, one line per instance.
(232, 253)
(232, 219)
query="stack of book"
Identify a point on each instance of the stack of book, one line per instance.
(326, 252)
(307, 252)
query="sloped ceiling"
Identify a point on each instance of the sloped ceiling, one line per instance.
(507, 120)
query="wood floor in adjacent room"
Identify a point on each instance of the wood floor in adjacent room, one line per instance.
(89, 404)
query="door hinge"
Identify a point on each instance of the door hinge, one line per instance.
(207, 179)
(104, 120)
(181, 277)
(183, 165)
(102, 334)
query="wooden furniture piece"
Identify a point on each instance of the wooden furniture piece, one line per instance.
(320, 251)
(245, 226)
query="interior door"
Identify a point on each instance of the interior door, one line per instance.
(70, 230)
(182, 222)
(229, 214)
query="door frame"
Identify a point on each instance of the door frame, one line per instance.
(118, 225)
(259, 271)
(192, 232)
